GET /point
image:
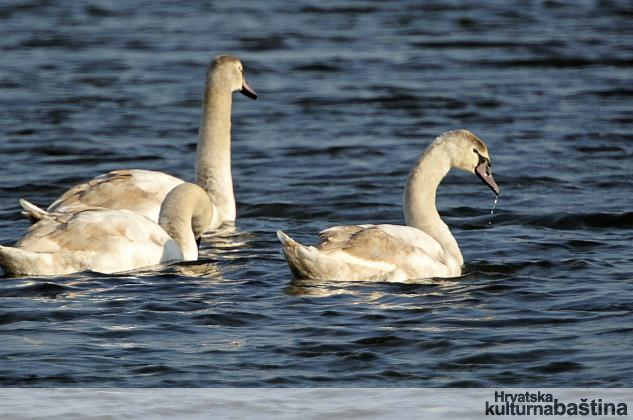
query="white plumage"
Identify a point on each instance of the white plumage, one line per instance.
(108, 241)
(423, 249)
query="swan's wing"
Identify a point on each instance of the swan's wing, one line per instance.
(420, 240)
(337, 236)
(369, 252)
(46, 226)
(398, 246)
(137, 190)
(103, 240)
(91, 231)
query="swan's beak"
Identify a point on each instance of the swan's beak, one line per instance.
(248, 91)
(483, 172)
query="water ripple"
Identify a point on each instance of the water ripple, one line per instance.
(350, 94)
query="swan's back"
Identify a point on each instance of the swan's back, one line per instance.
(99, 240)
(139, 190)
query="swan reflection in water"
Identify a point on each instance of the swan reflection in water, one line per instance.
(372, 292)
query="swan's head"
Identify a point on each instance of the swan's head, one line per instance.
(469, 153)
(202, 217)
(226, 70)
(185, 214)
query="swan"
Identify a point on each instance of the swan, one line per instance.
(109, 241)
(424, 248)
(143, 191)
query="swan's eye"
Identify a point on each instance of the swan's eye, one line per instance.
(483, 159)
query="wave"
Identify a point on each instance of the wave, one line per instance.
(564, 221)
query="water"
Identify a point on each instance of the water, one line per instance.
(492, 210)
(350, 94)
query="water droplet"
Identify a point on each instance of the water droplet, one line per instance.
(492, 211)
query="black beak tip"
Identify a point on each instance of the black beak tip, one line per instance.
(248, 92)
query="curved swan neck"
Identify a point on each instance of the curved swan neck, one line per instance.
(184, 215)
(213, 163)
(420, 194)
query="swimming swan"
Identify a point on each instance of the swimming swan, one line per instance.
(425, 248)
(109, 241)
(143, 191)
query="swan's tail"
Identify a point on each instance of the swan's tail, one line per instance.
(20, 261)
(301, 259)
(15, 260)
(34, 213)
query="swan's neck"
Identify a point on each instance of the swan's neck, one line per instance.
(184, 215)
(177, 224)
(213, 165)
(420, 210)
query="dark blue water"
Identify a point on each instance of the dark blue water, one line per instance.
(350, 94)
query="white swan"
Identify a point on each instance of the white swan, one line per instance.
(143, 191)
(108, 241)
(425, 248)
